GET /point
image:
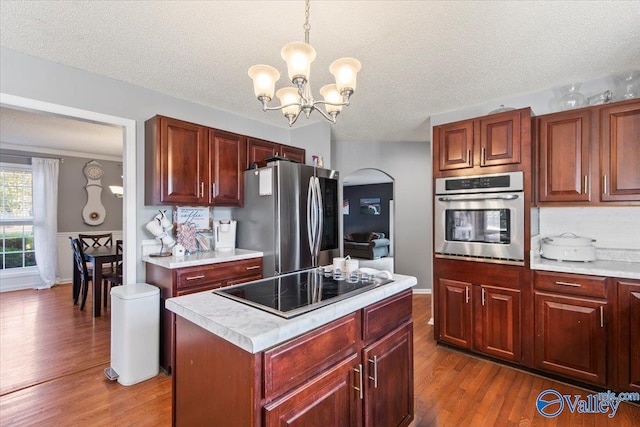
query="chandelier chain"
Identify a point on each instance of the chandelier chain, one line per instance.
(306, 26)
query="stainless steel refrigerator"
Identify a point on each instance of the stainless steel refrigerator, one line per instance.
(291, 213)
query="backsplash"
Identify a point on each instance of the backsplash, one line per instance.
(611, 227)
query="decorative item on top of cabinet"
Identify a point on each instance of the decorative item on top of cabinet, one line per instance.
(259, 150)
(189, 164)
(495, 140)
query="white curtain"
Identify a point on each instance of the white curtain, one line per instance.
(45, 218)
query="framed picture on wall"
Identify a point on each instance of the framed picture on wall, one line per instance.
(370, 206)
(345, 207)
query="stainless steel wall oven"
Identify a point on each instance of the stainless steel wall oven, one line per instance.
(480, 218)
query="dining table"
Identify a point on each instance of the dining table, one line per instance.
(98, 256)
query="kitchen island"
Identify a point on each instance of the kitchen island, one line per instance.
(347, 363)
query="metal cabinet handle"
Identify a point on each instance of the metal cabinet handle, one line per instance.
(469, 157)
(466, 294)
(602, 316)
(201, 188)
(575, 285)
(202, 276)
(483, 296)
(375, 371)
(361, 388)
(604, 184)
(586, 184)
(483, 156)
(253, 267)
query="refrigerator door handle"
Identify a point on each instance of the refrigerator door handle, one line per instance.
(310, 201)
(320, 208)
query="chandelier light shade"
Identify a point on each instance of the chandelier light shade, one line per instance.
(297, 99)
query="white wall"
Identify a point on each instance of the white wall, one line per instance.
(42, 80)
(409, 163)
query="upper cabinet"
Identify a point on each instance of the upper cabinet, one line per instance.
(189, 164)
(259, 150)
(476, 145)
(590, 155)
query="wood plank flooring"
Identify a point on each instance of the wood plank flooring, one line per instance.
(52, 358)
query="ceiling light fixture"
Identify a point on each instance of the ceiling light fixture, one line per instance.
(293, 100)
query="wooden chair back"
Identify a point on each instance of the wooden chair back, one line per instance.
(83, 271)
(95, 240)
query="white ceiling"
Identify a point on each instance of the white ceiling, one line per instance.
(419, 58)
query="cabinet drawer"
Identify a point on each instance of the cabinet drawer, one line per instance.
(383, 317)
(295, 362)
(192, 277)
(572, 284)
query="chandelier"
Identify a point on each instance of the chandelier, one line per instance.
(294, 100)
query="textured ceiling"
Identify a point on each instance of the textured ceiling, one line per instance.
(419, 58)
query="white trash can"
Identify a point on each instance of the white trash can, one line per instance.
(135, 333)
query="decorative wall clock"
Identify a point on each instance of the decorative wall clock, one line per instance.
(93, 212)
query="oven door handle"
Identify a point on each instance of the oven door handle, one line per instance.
(477, 199)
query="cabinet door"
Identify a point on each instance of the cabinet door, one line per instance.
(571, 338)
(500, 310)
(620, 152)
(330, 399)
(454, 299)
(388, 397)
(184, 174)
(500, 139)
(455, 145)
(259, 150)
(228, 162)
(293, 153)
(564, 160)
(629, 335)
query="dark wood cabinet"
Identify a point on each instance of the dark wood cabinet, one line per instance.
(176, 162)
(628, 334)
(228, 161)
(188, 280)
(259, 150)
(589, 156)
(354, 371)
(572, 326)
(189, 164)
(564, 163)
(479, 308)
(620, 152)
(494, 140)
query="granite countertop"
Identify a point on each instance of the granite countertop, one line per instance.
(202, 258)
(608, 268)
(255, 330)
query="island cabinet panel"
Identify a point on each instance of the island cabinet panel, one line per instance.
(187, 280)
(628, 334)
(331, 399)
(480, 145)
(619, 147)
(388, 377)
(564, 156)
(326, 377)
(295, 362)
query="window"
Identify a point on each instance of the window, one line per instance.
(16, 216)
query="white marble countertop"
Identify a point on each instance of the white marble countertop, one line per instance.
(202, 258)
(255, 330)
(620, 269)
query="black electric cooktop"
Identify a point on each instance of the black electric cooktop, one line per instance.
(296, 293)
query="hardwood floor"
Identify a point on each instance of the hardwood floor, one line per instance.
(52, 358)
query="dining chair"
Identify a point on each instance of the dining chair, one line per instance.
(95, 241)
(83, 273)
(114, 278)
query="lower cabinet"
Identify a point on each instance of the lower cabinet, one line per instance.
(354, 371)
(628, 334)
(480, 310)
(188, 280)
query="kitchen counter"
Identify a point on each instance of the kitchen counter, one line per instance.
(620, 269)
(202, 258)
(254, 330)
